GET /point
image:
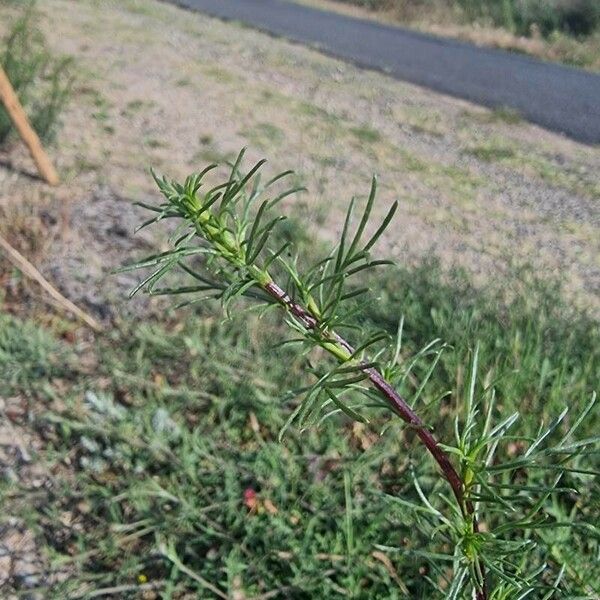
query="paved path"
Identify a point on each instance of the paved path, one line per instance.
(559, 98)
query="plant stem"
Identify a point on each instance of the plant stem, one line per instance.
(396, 402)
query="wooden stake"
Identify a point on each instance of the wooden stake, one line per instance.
(17, 259)
(28, 135)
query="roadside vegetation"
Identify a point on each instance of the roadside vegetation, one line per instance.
(561, 30)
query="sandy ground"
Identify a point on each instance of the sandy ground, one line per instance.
(158, 86)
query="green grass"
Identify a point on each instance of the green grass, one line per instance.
(506, 114)
(27, 354)
(492, 152)
(220, 74)
(181, 417)
(366, 134)
(154, 143)
(264, 135)
(502, 114)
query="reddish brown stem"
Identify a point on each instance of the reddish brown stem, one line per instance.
(398, 405)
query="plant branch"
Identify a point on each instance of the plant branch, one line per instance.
(395, 401)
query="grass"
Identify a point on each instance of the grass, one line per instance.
(27, 353)
(365, 134)
(491, 152)
(219, 74)
(451, 179)
(501, 150)
(531, 343)
(264, 135)
(574, 17)
(177, 479)
(505, 114)
(501, 114)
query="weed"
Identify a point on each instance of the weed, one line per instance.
(366, 134)
(484, 466)
(505, 114)
(263, 135)
(491, 152)
(42, 83)
(27, 353)
(135, 105)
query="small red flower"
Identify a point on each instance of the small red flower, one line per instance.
(250, 499)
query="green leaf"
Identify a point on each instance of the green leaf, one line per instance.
(382, 227)
(364, 220)
(344, 407)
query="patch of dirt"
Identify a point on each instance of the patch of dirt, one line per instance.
(80, 244)
(98, 239)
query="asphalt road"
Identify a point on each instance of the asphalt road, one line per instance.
(563, 99)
